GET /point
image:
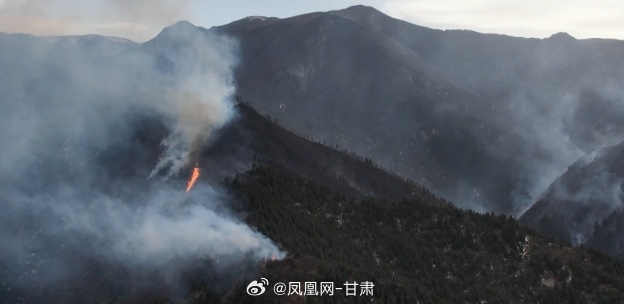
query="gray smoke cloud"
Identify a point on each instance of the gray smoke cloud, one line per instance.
(196, 102)
(588, 193)
(81, 133)
(562, 120)
(549, 103)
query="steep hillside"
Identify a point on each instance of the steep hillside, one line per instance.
(417, 250)
(488, 121)
(305, 178)
(607, 235)
(420, 248)
(90, 275)
(584, 204)
(338, 217)
(270, 144)
(314, 74)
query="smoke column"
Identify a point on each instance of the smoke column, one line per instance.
(81, 134)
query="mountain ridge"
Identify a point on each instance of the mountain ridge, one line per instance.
(336, 216)
(584, 204)
(500, 100)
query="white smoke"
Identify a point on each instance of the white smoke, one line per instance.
(200, 100)
(73, 171)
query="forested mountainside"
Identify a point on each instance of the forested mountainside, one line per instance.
(488, 121)
(334, 146)
(584, 205)
(416, 248)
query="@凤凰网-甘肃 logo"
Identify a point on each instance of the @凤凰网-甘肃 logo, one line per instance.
(256, 288)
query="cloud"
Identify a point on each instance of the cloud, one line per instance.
(142, 19)
(134, 19)
(531, 18)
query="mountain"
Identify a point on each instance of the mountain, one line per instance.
(584, 205)
(96, 45)
(415, 250)
(104, 45)
(340, 219)
(338, 170)
(302, 72)
(294, 182)
(488, 121)
(84, 186)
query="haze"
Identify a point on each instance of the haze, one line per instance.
(141, 20)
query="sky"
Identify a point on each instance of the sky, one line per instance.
(141, 20)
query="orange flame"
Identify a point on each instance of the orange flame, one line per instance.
(193, 179)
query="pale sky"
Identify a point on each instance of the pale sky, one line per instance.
(141, 20)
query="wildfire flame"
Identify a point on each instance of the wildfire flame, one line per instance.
(193, 179)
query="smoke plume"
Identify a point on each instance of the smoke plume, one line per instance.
(82, 133)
